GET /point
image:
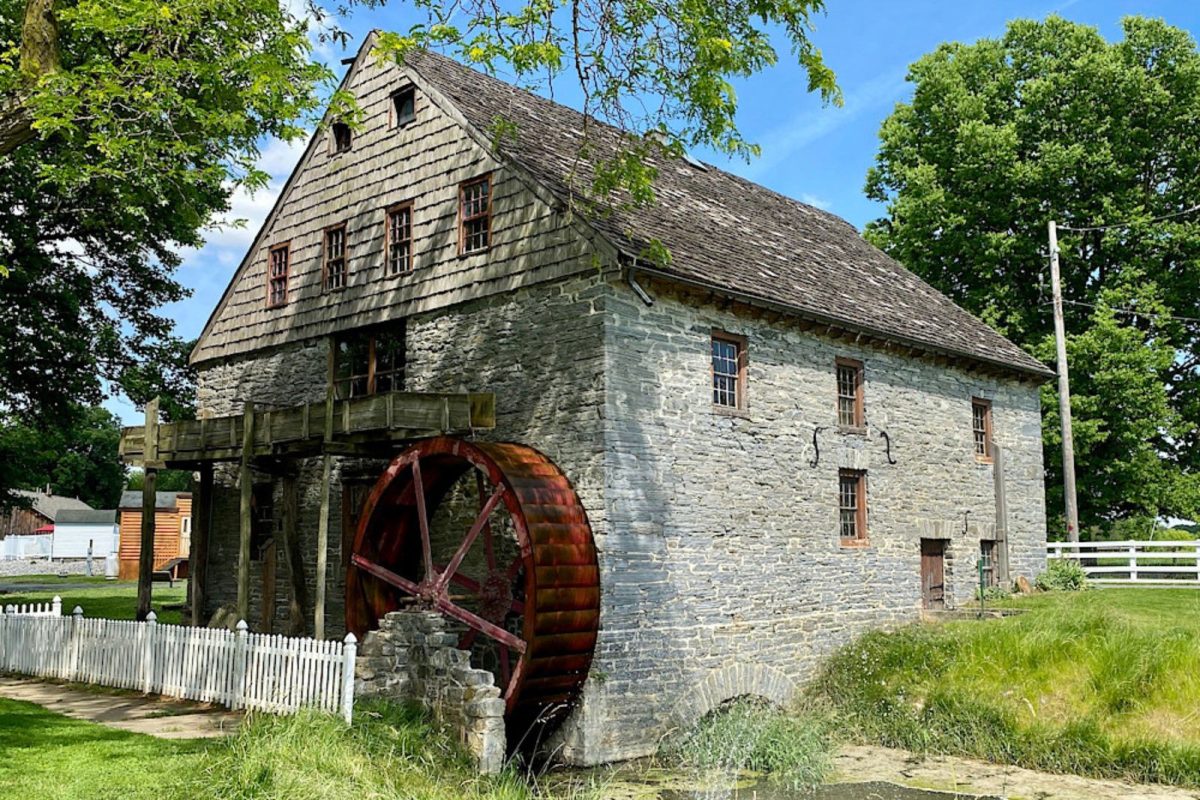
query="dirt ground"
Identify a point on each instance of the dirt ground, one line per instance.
(862, 763)
(166, 719)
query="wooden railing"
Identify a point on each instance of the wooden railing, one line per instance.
(312, 427)
(1144, 563)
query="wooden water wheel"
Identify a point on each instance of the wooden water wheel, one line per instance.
(517, 572)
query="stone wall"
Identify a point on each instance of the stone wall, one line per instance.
(539, 349)
(413, 656)
(722, 565)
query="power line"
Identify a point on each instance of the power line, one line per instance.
(1130, 311)
(1163, 218)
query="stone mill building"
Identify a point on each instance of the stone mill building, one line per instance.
(673, 484)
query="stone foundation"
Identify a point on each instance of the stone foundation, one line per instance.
(414, 657)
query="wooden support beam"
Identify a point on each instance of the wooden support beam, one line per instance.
(149, 501)
(1002, 571)
(246, 486)
(297, 586)
(323, 524)
(198, 557)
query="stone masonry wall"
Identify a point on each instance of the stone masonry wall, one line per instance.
(722, 569)
(414, 657)
(539, 349)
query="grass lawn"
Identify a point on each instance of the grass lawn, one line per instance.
(1102, 683)
(111, 599)
(47, 755)
(390, 752)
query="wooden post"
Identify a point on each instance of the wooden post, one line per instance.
(1002, 577)
(297, 588)
(323, 523)
(1064, 393)
(198, 557)
(149, 491)
(246, 485)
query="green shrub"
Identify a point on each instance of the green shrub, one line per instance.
(995, 593)
(747, 734)
(1062, 575)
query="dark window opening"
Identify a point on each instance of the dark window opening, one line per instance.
(369, 362)
(262, 519)
(342, 137)
(981, 428)
(987, 552)
(404, 106)
(336, 272)
(277, 276)
(852, 505)
(475, 215)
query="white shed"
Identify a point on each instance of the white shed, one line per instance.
(75, 529)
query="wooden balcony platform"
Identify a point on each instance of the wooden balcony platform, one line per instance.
(361, 426)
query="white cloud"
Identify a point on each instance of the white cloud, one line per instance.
(781, 144)
(815, 201)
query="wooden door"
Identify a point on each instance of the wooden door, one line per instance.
(933, 573)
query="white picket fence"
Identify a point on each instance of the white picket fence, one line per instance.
(238, 669)
(51, 609)
(1144, 563)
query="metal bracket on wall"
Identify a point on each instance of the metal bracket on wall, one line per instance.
(816, 459)
(888, 441)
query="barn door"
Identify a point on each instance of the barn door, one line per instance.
(933, 573)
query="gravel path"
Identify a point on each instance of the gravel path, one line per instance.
(166, 719)
(980, 777)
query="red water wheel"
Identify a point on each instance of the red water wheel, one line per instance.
(494, 537)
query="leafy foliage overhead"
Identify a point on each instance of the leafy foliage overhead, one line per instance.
(1052, 121)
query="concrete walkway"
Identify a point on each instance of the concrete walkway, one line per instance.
(966, 775)
(166, 719)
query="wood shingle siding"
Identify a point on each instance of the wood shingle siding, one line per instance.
(422, 163)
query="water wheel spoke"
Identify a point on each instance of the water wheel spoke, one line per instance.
(468, 639)
(422, 518)
(515, 567)
(386, 575)
(473, 620)
(480, 522)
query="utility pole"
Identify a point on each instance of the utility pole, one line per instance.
(1064, 394)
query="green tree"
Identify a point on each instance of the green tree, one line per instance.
(1052, 121)
(76, 458)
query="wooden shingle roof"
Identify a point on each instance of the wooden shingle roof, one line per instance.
(728, 234)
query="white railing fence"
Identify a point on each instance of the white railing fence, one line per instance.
(51, 609)
(238, 669)
(1145, 563)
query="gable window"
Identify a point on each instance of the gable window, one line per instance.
(399, 243)
(728, 371)
(404, 107)
(342, 137)
(369, 362)
(850, 394)
(852, 506)
(277, 276)
(335, 258)
(981, 425)
(475, 215)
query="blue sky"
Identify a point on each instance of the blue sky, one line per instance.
(815, 153)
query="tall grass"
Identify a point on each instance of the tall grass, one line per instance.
(790, 747)
(1102, 683)
(391, 751)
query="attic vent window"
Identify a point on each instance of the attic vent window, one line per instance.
(341, 137)
(404, 107)
(335, 258)
(277, 276)
(475, 215)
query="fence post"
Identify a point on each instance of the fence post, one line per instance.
(239, 665)
(76, 621)
(56, 606)
(1133, 562)
(149, 627)
(349, 651)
